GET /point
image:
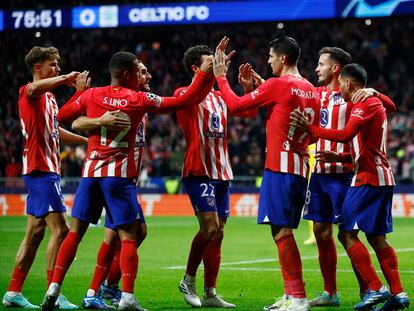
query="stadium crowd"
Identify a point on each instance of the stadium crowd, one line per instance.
(383, 47)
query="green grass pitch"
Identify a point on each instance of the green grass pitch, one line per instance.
(249, 275)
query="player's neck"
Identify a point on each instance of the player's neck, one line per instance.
(291, 70)
(333, 85)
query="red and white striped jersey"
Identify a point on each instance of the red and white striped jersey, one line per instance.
(38, 120)
(369, 146)
(111, 152)
(140, 143)
(334, 114)
(205, 133)
(367, 129)
(286, 147)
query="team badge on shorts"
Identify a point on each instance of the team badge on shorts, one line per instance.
(210, 201)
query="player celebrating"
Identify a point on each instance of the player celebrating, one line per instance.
(330, 181)
(107, 263)
(41, 168)
(283, 189)
(368, 202)
(206, 174)
(110, 167)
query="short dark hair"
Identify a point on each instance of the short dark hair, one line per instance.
(121, 61)
(288, 46)
(356, 73)
(193, 56)
(38, 55)
(338, 55)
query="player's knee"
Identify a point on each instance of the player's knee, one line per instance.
(210, 232)
(322, 231)
(61, 233)
(342, 237)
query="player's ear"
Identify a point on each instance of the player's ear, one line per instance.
(195, 68)
(37, 67)
(283, 59)
(336, 69)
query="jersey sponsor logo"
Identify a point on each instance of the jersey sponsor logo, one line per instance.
(115, 102)
(154, 98)
(215, 121)
(140, 132)
(214, 134)
(324, 117)
(302, 93)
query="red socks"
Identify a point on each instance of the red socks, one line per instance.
(66, 254)
(363, 286)
(327, 262)
(211, 260)
(389, 266)
(198, 248)
(115, 274)
(291, 263)
(361, 259)
(103, 262)
(49, 277)
(17, 280)
(128, 261)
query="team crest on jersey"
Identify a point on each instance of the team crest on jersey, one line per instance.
(154, 98)
(210, 201)
(324, 117)
(337, 99)
(215, 121)
(286, 145)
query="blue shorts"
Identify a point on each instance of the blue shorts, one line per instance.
(207, 195)
(368, 208)
(117, 195)
(281, 199)
(45, 194)
(325, 197)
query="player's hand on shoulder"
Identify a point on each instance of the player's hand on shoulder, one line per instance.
(207, 64)
(326, 156)
(299, 119)
(246, 77)
(83, 81)
(115, 120)
(70, 79)
(362, 94)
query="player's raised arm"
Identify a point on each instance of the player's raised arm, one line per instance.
(193, 96)
(39, 87)
(235, 103)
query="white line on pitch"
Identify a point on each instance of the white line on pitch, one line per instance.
(304, 270)
(247, 262)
